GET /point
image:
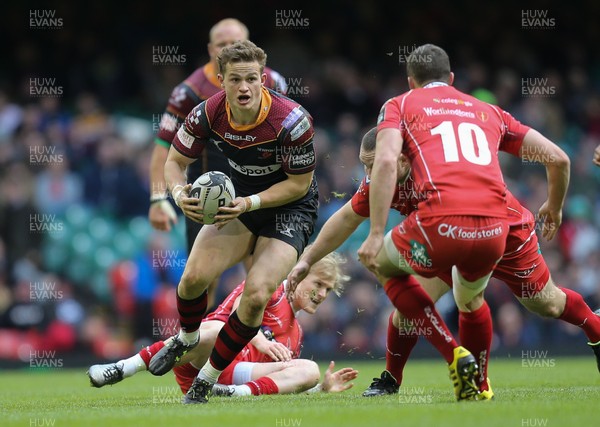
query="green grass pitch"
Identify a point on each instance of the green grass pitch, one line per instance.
(564, 392)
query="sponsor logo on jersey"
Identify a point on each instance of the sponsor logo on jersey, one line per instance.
(292, 118)
(232, 137)
(302, 160)
(469, 233)
(448, 111)
(453, 101)
(251, 170)
(482, 115)
(300, 129)
(185, 138)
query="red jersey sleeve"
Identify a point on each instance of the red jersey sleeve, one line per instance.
(191, 138)
(297, 150)
(513, 133)
(389, 115)
(182, 100)
(360, 199)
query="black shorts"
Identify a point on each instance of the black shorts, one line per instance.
(211, 160)
(293, 223)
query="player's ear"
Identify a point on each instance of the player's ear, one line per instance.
(411, 82)
(263, 78)
(220, 78)
(451, 78)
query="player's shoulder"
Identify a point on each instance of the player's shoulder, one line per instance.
(286, 113)
(214, 105)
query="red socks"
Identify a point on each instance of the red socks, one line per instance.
(409, 297)
(476, 332)
(147, 352)
(185, 376)
(263, 385)
(399, 346)
(579, 314)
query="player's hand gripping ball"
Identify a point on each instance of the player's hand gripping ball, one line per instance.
(213, 190)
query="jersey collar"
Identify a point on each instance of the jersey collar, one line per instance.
(265, 107)
(434, 84)
(211, 75)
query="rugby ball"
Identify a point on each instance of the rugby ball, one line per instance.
(213, 190)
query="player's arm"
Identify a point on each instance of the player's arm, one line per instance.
(181, 102)
(274, 349)
(383, 182)
(334, 232)
(186, 147)
(161, 212)
(536, 147)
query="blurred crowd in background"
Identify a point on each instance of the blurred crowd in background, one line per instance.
(82, 271)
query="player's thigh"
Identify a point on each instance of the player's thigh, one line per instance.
(434, 286)
(216, 250)
(271, 262)
(262, 369)
(391, 259)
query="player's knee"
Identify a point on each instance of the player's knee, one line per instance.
(193, 279)
(310, 372)
(256, 298)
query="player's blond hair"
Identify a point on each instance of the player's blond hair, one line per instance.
(241, 51)
(330, 266)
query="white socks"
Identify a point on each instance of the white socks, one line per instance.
(189, 337)
(132, 366)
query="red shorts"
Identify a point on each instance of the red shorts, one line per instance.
(433, 245)
(522, 267)
(185, 375)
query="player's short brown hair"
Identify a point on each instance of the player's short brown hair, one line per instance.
(241, 51)
(367, 146)
(428, 63)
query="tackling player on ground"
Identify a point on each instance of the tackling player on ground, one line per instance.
(266, 365)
